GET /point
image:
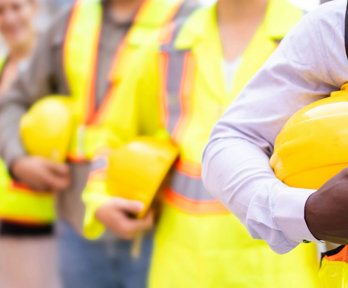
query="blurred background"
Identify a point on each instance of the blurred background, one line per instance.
(50, 7)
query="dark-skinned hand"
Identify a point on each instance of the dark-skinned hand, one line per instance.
(326, 211)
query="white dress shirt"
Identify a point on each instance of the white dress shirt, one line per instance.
(310, 63)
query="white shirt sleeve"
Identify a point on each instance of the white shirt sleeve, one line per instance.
(309, 64)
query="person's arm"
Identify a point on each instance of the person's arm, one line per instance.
(309, 64)
(103, 210)
(36, 80)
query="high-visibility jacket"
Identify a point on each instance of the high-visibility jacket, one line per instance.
(86, 18)
(334, 266)
(334, 269)
(80, 60)
(19, 204)
(198, 243)
(111, 123)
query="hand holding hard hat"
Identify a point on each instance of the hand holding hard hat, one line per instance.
(116, 216)
(135, 174)
(46, 132)
(138, 169)
(311, 152)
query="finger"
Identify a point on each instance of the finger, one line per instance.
(128, 206)
(39, 186)
(137, 225)
(60, 169)
(117, 223)
(149, 220)
(55, 182)
(39, 182)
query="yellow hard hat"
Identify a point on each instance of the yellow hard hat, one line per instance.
(138, 168)
(46, 128)
(313, 145)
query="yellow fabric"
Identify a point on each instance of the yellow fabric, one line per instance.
(86, 20)
(333, 274)
(2, 63)
(118, 124)
(20, 204)
(303, 156)
(137, 169)
(207, 251)
(215, 250)
(94, 196)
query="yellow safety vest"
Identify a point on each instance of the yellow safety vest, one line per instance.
(80, 62)
(198, 243)
(20, 205)
(334, 269)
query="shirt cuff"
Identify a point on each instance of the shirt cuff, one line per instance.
(289, 214)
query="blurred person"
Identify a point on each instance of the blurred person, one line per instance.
(21, 241)
(309, 65)
(84, 54)
(17, 29)
(183, 87)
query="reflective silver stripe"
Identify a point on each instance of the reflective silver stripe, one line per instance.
(176, 65)
(180, 183)
(98, 164)
(189, 187)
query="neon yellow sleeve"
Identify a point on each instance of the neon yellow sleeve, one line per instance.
(138, 96)
(94, 196)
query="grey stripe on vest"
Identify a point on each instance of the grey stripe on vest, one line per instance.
(175, 72)
(99, 164)
(186, 9)
(189, 187)
(180, 183)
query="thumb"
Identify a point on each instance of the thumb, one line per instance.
(130, 206)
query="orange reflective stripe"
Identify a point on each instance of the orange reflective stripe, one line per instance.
(163, 60)
(96, 118)
(187, 81)
(85, 93)
(20, 221)
(191, 206)
(99, 167)
(91, 109)
(192, 169)
(22, 188)
(185, 190)
(177, 72)
(167, 34)
(76, 159)
(91, 81)
(341, 256)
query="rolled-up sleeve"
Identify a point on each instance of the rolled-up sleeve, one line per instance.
(236, 170)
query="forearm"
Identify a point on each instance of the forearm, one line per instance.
(244, 182)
